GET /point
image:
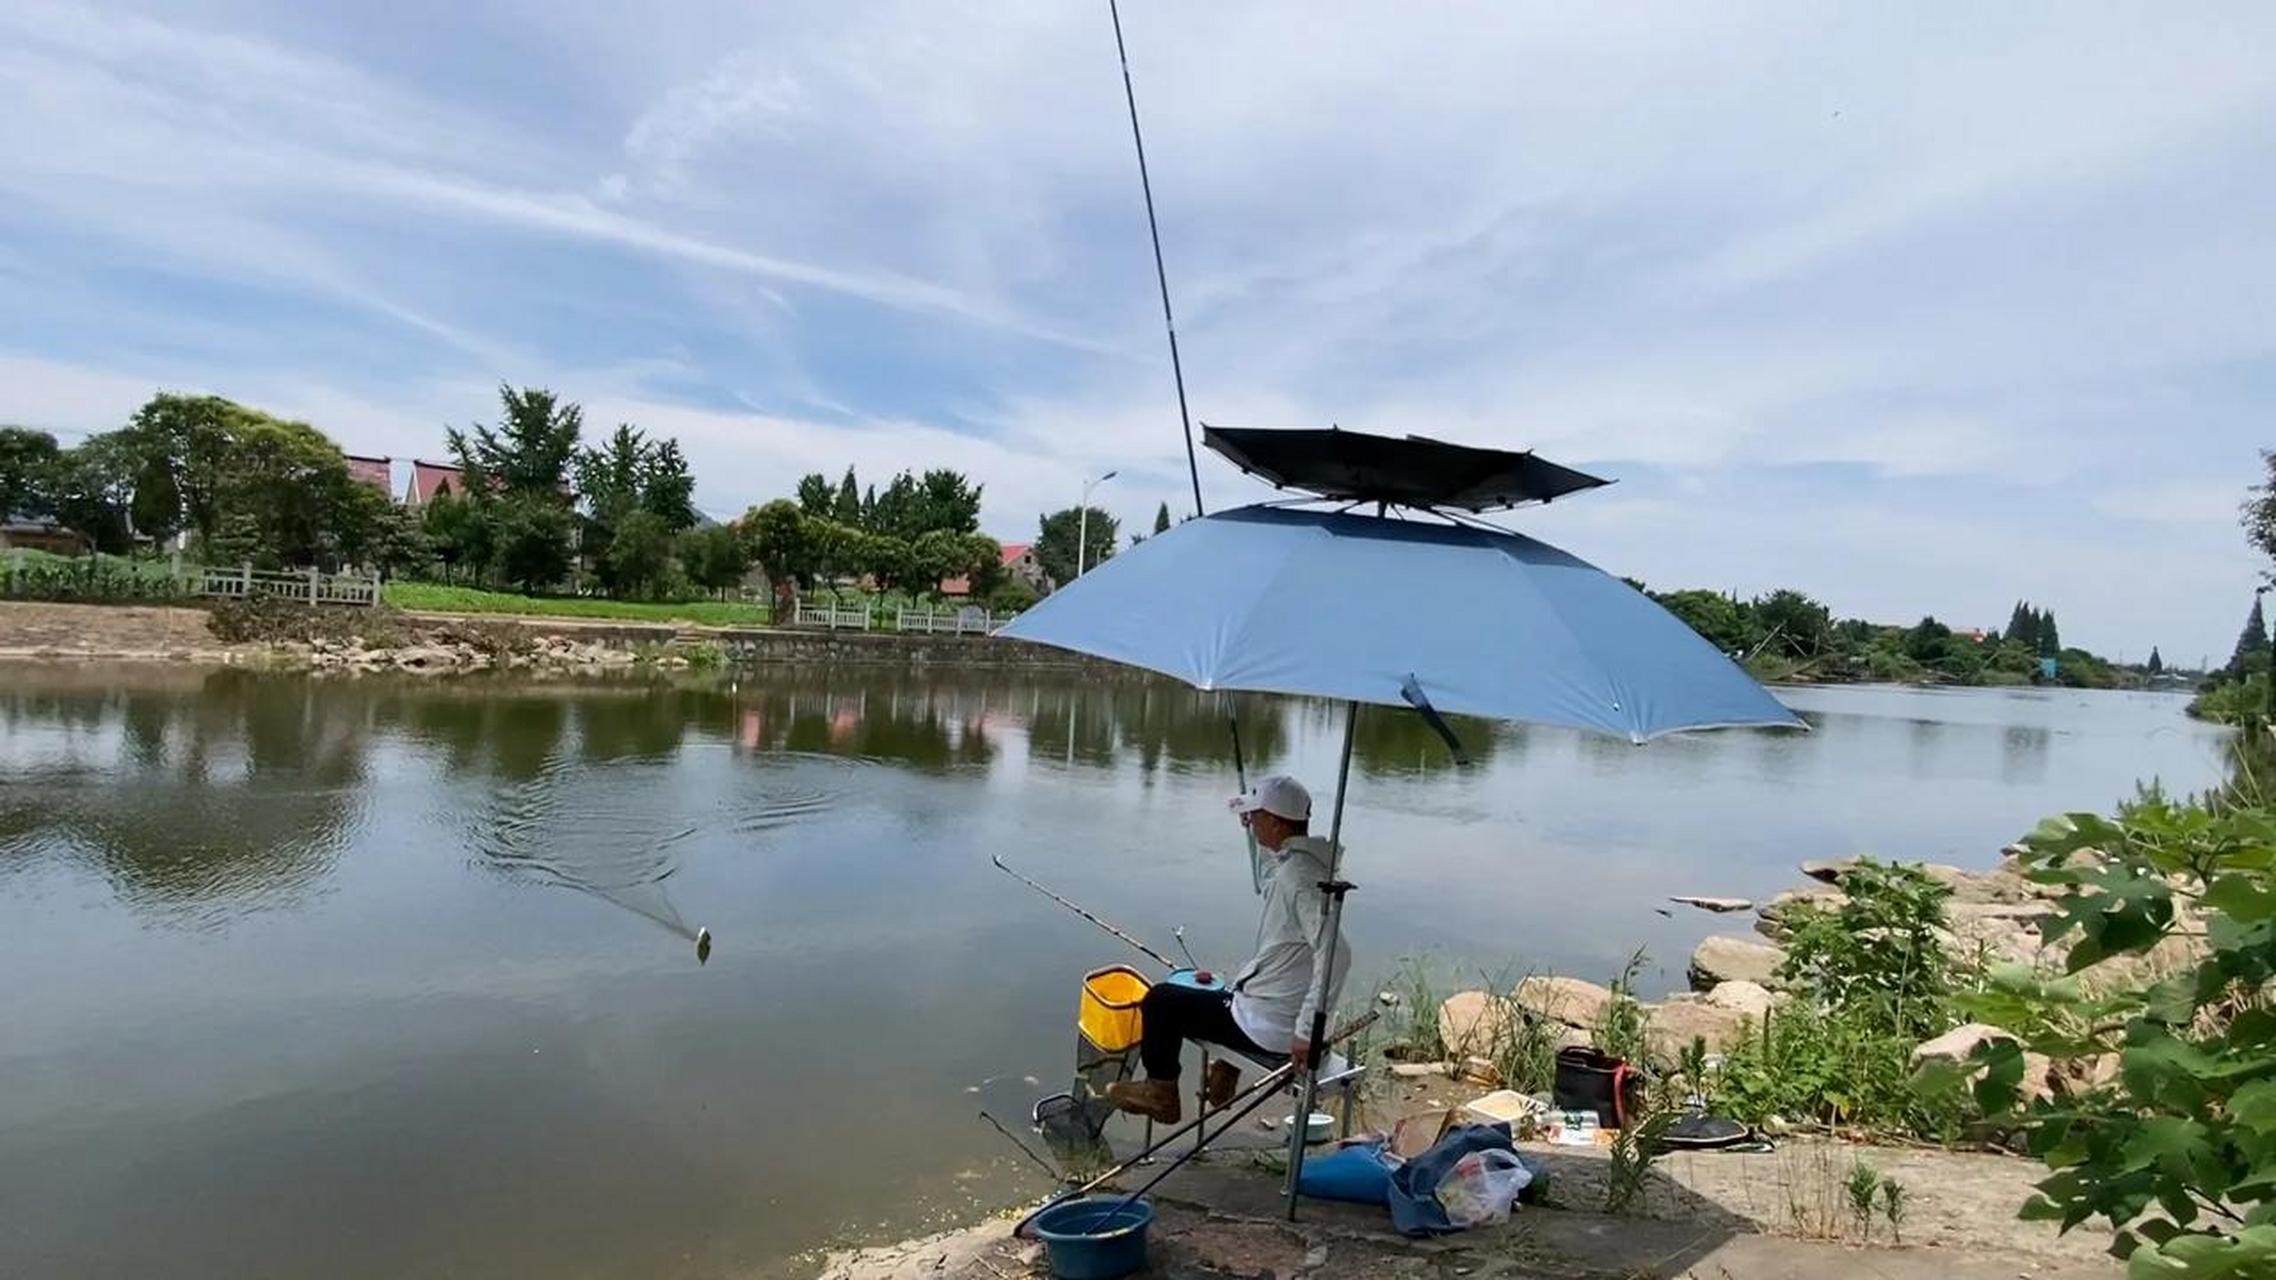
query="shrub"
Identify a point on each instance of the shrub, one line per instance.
(38, 575)
(2178, 1154)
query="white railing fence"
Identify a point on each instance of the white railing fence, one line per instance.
(308, 586)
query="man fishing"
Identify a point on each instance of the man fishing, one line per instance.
(1266, 1011)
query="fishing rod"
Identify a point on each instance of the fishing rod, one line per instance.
(1156, 956)
(1161, 274)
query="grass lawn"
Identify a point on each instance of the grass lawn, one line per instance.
(430, 597)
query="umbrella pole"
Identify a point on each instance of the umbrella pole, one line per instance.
(1323, 964)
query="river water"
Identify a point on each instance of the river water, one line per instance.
(347, 978)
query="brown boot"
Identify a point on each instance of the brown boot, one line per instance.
(1220, 1084)
(1156, 1100)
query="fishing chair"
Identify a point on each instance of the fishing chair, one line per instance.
(1109, 1027)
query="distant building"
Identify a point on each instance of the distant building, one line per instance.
(431, 480)
(1019, 563)
(379, 473)
(40, 533)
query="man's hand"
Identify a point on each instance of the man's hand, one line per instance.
(1300, 1050)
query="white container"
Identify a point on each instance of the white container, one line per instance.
(1322, 1128)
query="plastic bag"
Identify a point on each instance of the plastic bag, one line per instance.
(1481, 1187)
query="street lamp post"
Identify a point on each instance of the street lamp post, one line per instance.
(1083, 523)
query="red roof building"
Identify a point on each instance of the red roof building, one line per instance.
(430, 480)
(377, 472)
(1019, 562)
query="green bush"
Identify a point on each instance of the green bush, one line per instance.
(38, 575)
(2178, 1154)
(431, 597)
(1870, 980)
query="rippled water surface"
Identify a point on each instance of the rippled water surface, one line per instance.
(378, 978)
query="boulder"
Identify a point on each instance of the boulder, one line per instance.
(1671, 1026)
(1726, 959)
(1719, 905)
(1829, 870)
(1749, 998)
(1981, 886)
(1567, 1000)
(1472, 1021)
(1774, 914)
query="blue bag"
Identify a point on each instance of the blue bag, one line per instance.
(1360, 1173)
(1415, 1210)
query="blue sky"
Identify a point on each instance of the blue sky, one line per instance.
(1920, 308)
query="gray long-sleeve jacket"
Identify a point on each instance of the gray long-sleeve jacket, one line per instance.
(1272, 994)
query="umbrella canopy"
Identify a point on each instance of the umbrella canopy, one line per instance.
(1410, 471)
(1354, 607)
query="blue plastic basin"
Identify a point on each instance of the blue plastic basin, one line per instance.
(1090, 1239)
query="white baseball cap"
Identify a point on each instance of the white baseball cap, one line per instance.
(1279, 795)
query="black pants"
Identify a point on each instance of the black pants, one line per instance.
(1175, 1014)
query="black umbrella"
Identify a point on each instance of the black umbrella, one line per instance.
(1409, 471)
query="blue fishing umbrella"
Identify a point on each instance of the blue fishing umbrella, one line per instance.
(1435, 612)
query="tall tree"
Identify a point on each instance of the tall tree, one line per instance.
(2259, 511)
(2050, 636)
(948, 502)
(1162, 518)
(2156, 665)
(529, 452)
(779, 536)
(93, 485)
(667, 490)
(815, 497)
(2252, 643)
(1055, 544)
(846, 509)
(2023, 626)
(28, 461)
(530, 539)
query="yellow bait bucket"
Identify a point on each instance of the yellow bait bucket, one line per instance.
(1109, 1016)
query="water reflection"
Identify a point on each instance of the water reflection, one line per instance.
(194, 795)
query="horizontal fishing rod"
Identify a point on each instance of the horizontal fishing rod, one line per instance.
(1156, 956)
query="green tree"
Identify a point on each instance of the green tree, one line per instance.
(2023, 626)
(183, 448)
(2259, 512)
(461, 535)
(715, 556)
(530, 539)
(815, 497)
(667, 489)
(1716, 617)
(948, 501)
(2156, 664)
(1162, 518)
(2050, 637)
(780, 538)
(1792, 624)
(28, 461)
(1928, 641)
(290, 486)
(847, 507)
(1055, 544)
(2252, 642)
(92, 488)
(529, 452)
(639, 552)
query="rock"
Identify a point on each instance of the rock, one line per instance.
(1412, 1069)
(1567, 1000)
(1829, 870)
(1960, 1043)
(1775, 915)
(1726, 959)
(1981, 886)
(1749, 998)
(1670, 1027)
(1723, 905)
(1471, 1021)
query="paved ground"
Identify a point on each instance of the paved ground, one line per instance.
(1221, 1219)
